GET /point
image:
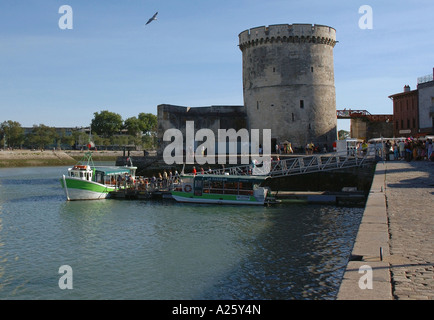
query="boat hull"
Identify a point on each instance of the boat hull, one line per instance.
(78, 189)
(217, 199)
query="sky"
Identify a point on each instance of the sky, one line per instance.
(110, 60)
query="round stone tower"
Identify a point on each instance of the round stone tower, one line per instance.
(288, 82)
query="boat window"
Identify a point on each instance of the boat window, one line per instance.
(206, 186)
(231, 187)
(216, 187)
(198, 187)
(245, 188)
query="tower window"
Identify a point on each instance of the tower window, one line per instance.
(311, 69)
(301, 104)
(274, 69)
(293, 119)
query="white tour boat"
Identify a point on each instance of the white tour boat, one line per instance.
(90, 182)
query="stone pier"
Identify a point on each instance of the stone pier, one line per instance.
(395, 237)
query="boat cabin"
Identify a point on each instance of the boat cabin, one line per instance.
(103, 175)
(83, 172)
(221, 184)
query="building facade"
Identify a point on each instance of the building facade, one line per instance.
(413, 110)
(425, 88)
(405, 113)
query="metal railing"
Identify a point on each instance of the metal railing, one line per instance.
(303, 164)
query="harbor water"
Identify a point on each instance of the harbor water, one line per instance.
(160, 249)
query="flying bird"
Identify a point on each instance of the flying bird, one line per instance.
(154, 17)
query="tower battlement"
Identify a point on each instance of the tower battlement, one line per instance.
(292, 33)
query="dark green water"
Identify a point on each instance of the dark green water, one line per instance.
(165, 250)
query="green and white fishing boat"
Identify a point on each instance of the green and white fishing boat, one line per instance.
(221, 189)
(85, 181)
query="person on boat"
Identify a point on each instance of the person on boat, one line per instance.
(165, 178)
(194, 171)
(364, 147)
(160, 180)
(119, 182)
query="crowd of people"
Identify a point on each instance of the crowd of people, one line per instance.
(409, 150)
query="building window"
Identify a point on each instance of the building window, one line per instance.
(257, 105)
(309, 126)
(414, 123)
(311, 69)
(408, 123)
(402, 124)
(397, 125)
(274, 69)
(293, 119)
(301, 104)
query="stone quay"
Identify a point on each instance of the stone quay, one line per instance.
(395, 237)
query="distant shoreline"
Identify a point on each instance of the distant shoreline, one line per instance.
(36, 158)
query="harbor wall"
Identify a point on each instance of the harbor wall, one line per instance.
(359, 178)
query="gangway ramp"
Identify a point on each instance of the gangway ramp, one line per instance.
(296, 165)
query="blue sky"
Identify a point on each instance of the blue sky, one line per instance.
(111, 61)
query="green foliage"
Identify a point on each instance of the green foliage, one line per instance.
(343, 134)
(12, 134)
(41, 136)
(148, 123)
(133, 126)
(106, 128)
(106, 123)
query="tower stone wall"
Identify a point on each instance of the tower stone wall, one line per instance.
(288, 82)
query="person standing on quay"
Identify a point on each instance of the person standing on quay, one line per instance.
(401, 145)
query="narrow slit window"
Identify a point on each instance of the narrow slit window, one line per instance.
(301, 104)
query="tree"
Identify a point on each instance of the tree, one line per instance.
(106, 123)
(343, 134)
(12, 133)
(148, 123)
(41, 136)
(80, 138)
(133, 125)
(65, 139)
